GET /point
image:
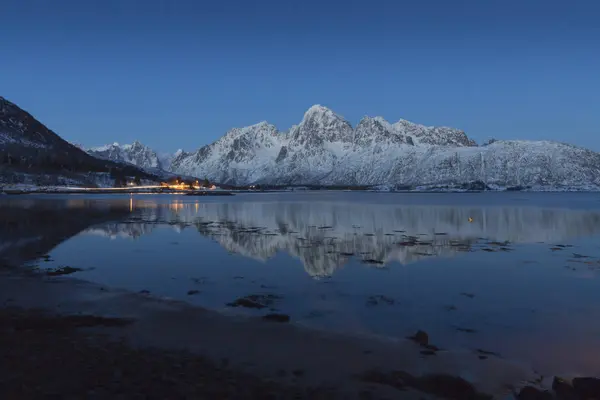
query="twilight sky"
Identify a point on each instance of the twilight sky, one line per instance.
(179, 74)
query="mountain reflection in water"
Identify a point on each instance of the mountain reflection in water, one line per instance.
(325, 235)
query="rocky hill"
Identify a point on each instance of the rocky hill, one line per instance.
(28, 148)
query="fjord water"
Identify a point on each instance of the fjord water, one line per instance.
(516, 274)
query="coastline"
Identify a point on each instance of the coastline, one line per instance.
(283, 354)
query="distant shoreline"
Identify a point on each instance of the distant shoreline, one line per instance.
(234, 192)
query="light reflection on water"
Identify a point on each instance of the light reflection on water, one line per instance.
(500, 268)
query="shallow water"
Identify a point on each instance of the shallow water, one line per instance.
(512, 273)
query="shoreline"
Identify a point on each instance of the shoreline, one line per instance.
(10, 192)
(260, 348)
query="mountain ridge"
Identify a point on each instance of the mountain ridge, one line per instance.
(326, 149)
(32, 153)
(323, 149)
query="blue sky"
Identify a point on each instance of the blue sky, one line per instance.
(179, 74)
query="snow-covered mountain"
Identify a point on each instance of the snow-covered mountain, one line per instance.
(135, 153)
(325, 149)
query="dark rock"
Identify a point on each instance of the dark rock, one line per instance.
(379, 299)
(563, 390)
(144, 291)
(245, 302)
(255, 301)
(277, 317)
(576, 255)
(193, 292)
(587, 388)
(62, 271)
(421, 338)
(487, 353)
(531, 393)
(372, 261)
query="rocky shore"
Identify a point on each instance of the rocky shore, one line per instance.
(69, 338)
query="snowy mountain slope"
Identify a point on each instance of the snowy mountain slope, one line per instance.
(135, 153)
(166, 159)
(325, 149)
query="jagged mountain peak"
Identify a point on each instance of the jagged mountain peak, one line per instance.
(252, 129)
(135, 153)
(321, 114)
(318, 109)
(368, 120)
(325, 149)
(432, 135)
(320, 125)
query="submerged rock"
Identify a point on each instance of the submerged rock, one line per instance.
(255, 301)
(277, 317)
(245, 302)
(421, 337)
(379, 299)
(62, 271)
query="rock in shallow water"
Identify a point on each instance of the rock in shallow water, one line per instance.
(563, 390)
(421, 338)
(277, 317)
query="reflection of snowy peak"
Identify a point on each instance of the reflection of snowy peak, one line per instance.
(325, 149)
(115, 230)
(324, 236)
(135, 153)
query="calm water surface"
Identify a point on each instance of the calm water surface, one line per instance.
(513, 273)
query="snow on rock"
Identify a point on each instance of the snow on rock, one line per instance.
(135, 153)
(325, 149)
